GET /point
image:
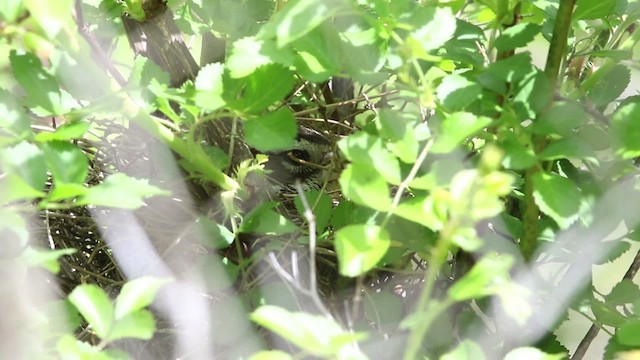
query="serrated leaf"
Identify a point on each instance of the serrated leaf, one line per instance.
(42, 88)
(606, 314)
(120, 191)
(629, 334)
(274, 131)
(456, 128)
(258, 90)
(68, 131)
(457, 92)
(25, 161)
(364, 186)
(318, 54)
(615, 251)
(611, 86)
(137, 325)
(624, 292)
(68, 164)
(557, 197)
(360, 247)
(626, 128)
(95, 306)
(433, 26)
(209, 88)
(250, 53)
(517, 36)
(137, 294)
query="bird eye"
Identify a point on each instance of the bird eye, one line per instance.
(298, 155)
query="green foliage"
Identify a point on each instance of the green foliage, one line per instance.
(461, 163)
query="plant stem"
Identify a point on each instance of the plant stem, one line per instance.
(555, 57)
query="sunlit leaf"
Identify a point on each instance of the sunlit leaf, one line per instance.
(517, 36)
(531, 353)
(457, 92)
(137, 294)
(363, 185)
(95, 306)
(456, 128)
(483, 279)
(67, 162)
(47, 259)
(138, 325)
(557, 197)
(41, 87)
(208, 85)
(274, 131)
(360, 248)
(465, 350)
(626, 128)
(120, 191)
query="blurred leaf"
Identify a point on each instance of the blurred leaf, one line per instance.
(465, 350)
(626, 129)
(510, 70)
(68, 164)
(562, 118)
(531, 353)
(274, 131)
(135, 9)
(52, 16)
(137, 294)
(593, 9)
(606, 314)
(456, 128)
(264, 220)
(383, 308)
(11, 9)
(298, 18)
(567, 148)
(624, 292)
(484, 278)
(516, 155)
(611, 86)
(42, 88)
(363, 148)
(557, 197)
(360, 247)
(315, 334)
(213, 234)
(209, 89)
(14, 122)
(363, 185)
(47, 259)
(457, 92)
(94, 305)
(25, 161)
(430, 211)
(120, 191)
(139, 324)
(517, 36)
(68, 131)
(433, 26)
(318, 53)
(259, 90)
(271, 355)
(249, 54)
(618, 249)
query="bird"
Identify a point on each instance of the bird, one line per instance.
(307, 161)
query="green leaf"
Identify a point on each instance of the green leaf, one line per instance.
(68, 164)
(318, 53)
(568, 148)
(259, 90)
(360, 247)
(626, 128)
(137, 294)
(562, 118)
(271, 355)
(557, 197)
(403, 133)
(384, 308)
(264, 220)
(47, 259)
(315, 334)
(531, 353)
(322, 209)
(120, 191)
(516, 155)
(209, 88)
(249, 54)
(484, 278)
(363, 148)
(68, 131)
(433, 26)
(606, 314)
(25, 161)
(624, 292)
(517, 36)
(465, 350)
(213, 234)
(298, 18)
(363, 185)
(456, 128)
(274, 131)
(457, 92)
(14, 122)
(41, 87)
(138, 325)
(593, 9)
(430, 211)
(94, 305)
(510, 70)
(610, 87)
(11, 9)
(629, 334)
(135, 9)
(51, 17)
